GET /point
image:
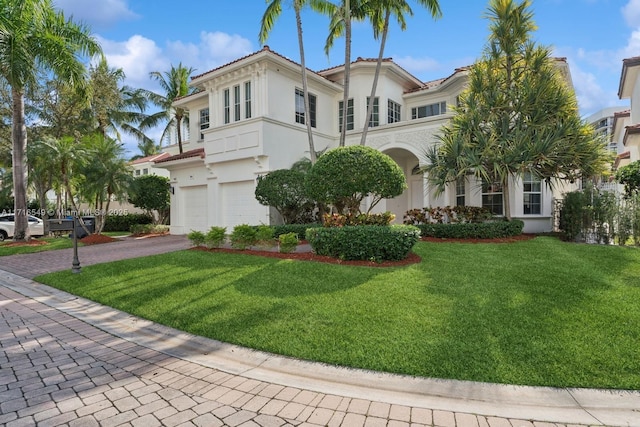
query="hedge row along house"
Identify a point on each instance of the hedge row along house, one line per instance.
(247, 118)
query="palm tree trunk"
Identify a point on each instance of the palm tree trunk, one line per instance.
(179, 130)
(347, 70)
(19, 136)
(506, 199)
(374, 86)
(305, 86)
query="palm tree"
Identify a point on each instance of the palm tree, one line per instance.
(175, 84)
(34, 35)
(274, 9)
(115, 107)
(381, 29)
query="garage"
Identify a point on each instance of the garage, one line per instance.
(195, 208)
(239, 204)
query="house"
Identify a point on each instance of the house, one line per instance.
(627, 129)
(146, 165)
(248, 118)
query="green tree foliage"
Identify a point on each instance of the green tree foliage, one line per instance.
(284, 190)
(174, 84)
(344, 176)
(629, 176)
(34, 36)
(518, 115)
(152, 193)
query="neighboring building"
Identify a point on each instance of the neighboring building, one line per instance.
(146, 165)
(629, 130)
(603, 122)
(248, 119)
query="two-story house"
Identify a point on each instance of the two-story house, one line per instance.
(248, 118)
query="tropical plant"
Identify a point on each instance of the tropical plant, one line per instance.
(33, 36)
(152, 194)
(273, 11)
(517, 116)
(380, 25)
(174, 84)
(629, 176)
(332, 178)
(284, 190)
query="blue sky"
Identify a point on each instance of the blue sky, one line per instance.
(140, 36)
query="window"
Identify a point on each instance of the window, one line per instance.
(227, 106)
(137, 172)
(145, 171)
(374, 120)
(492, 197)
(300, 112)
(204, 121)
(349, 114)
(460, 191)
(236, 103)
(393, 112)
(429, 110)
(532, 194)
(247, 100)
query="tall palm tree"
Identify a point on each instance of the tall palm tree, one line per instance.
(380, 24)
(273, 11)
(34, 35)
(115, 107)
(174, 84)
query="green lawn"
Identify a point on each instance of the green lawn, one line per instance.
(52, 243)
(538, 312)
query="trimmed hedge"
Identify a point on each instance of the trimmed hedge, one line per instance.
(124, 222)
(299, 229)
(483, 230)
(364, 242)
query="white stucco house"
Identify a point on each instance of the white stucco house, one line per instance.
(247, 119)
(627, 125)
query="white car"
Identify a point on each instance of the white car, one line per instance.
(36, 226)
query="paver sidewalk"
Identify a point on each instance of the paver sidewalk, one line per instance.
(68, 361)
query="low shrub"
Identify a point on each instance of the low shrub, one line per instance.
(264, 236)
(149, 229)
(364, 242)
(339, 220)
(197, 238)
(299, 229)
(215, 237)
(483, 230)
(447, 214)
(243, 236)
(125, 222)
(288, 242)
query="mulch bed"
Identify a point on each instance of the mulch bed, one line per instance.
(32, 242)
(95, 239)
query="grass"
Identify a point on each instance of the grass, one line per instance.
(538, 312)
(53, 243)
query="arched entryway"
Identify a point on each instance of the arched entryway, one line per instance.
(414, 195)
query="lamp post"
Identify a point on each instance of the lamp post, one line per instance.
(75, 266)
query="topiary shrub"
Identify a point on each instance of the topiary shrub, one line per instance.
(364, 242)
(482, 230)
(284, 190)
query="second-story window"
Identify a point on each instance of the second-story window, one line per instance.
(349, 114)
(227, 106)
(429, 110)
(247, 100)
(300, 111)
(204, 121)
(374, 120)
(393, 112)
(236, 103)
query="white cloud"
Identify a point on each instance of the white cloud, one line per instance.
(213, 49)
(137, 56)
(631, 13)
(101, 13)
(418, 66)
(591, 95)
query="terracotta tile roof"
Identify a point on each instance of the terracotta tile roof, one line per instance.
(620, 157)
(198, 152)
(625, 113)
(152, 158)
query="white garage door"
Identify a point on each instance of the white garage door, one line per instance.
(239, 204)
(195, 208)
